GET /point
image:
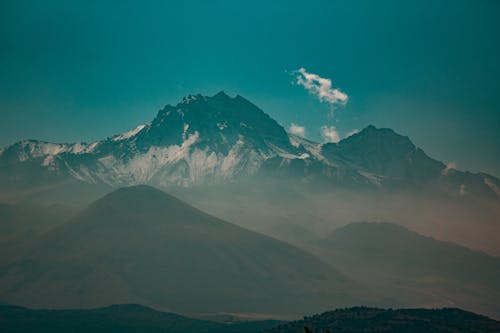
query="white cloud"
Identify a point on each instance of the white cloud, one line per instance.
(297, 130)
(330, 134)
(320, 87)
(449, 166)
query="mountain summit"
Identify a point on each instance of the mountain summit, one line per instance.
(220, 139)
(141, 245)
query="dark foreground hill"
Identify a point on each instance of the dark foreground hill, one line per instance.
(138, 319)
(368, 320)
(418, 271)
(141, 245)
(113, 319)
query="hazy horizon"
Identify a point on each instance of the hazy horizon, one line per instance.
(250, 166)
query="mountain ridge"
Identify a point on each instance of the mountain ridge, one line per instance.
(219, 139)
(426, 271)
(140, 245)
(365, 319)
(116, 318)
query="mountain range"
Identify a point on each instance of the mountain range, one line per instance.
(123, 318)
(220, 139)
(135, 318)
(140, 245)
(368, 320)
(257, 220)
(413, 268)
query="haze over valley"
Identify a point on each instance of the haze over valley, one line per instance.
(249, 167)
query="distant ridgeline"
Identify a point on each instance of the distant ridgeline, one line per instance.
(136, 318)
(367, 320)
(127, 318)
(220, 139)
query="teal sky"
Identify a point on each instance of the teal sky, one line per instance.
(73, 71)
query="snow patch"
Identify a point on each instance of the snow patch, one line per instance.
(233, 158)
(129, 134)
(312, 148)
(492, 185)
(304, 156)
(188, 99)
(185, 129)
(462, 191)
(48, 161)
(222, 125)
(77, 148)
(91, 147)
(293, 141)
(373, 178)
(144, 166)
(282, 153)
(450, 167)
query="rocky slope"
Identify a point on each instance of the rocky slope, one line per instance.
(212, 140)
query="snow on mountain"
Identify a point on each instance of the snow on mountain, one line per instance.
(204, 140)
(313, 148)
(129, 134)
(200, 140)
(492, 183)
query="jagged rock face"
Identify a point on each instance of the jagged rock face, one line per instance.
(200, 140)
(219, 139)
(383, 153)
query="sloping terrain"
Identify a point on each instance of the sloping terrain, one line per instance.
(417, 270)
(209, 144)
(140, 245)
(21, 224)
(125, 318)
(219, 139)
(366, 320)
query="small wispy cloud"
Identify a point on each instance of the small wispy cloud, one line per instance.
(330, 134)
(320, 87)
(297, 130)
(450, 166)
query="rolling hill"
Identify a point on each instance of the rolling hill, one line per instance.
(125, 318)
(414, 269)
(368, 320)
(140, 245)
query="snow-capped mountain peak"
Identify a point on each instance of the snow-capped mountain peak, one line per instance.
(217, 139)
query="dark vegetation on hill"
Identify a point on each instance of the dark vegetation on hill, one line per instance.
(368, 320)
(130, 318)
(127, 318)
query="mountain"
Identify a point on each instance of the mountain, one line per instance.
(390, 159)
(414, 269)
(228, 147)
(140, 245)
(20, 224)
(201, 139)
(135, 318)
(367, 320)
(220, 139)
(116, 318)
